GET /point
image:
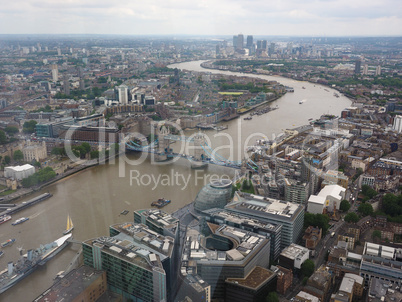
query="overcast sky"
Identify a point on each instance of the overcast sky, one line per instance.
(198, 17)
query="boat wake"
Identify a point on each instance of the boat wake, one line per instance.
(36, 214)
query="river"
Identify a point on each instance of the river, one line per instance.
(95, 197)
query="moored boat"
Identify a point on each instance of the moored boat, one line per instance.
(8, 242)
(30, 261)
(4, 218)
(21, 220)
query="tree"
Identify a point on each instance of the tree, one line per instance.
(351, 217)
(87, 147)
(58, 151)
(29, 126)
(345, 205)
(368, 191)
(307, 268)
(272, 297)
(365, 209)
(18, 155)
(11, 130)
(377, 234)
(316, 220)
(94, 154)
(3, 138)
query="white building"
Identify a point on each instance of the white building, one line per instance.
(19, 172)
(397, 126)
(35, 152)
(123, 94)
(55, 73)
(294, 256)
(378, 70)
(329, 198)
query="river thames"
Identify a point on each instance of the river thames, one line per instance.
(95, 197)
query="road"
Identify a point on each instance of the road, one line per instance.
(326, 243)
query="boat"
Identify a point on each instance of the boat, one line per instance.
(21, 220)
(4, 218)
(70, 226)
(198, 165)
(160, 203)
(8, 242)
(220, 128)
(125, 212)
(29, 262)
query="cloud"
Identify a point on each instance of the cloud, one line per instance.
(210, 17)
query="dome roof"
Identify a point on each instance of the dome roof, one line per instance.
(214, 195)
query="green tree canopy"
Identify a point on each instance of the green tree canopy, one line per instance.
(377, 234)
(345, 205)
(87, 147)
(307, 268)
(392, 204)
(18, 155)
(368, 191)
(58, 151)
(351, 217)
(366, 209)
(94, 154)
(29, 126)
(272, 297)
(317, 220)
(11, 130)
(41, 176)
(3, 137)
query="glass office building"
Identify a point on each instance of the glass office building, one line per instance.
(214, 195)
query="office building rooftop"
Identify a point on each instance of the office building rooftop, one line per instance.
(72, 285)
(142, 237)
(265, 206)
(294, 251)
(255, 279)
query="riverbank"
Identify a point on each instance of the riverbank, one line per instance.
(24, 192)
(208, 65)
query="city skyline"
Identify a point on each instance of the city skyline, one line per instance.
(322, 18)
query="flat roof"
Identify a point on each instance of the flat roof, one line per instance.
(71, 285)
(20, 168)
(265, 205)
(255, 279)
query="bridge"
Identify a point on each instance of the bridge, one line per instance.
(203, 155)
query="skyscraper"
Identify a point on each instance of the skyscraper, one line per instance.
(55, 73)
(365, 69)
(66, 84)
(122, 91)
(378, 70)
(235, 42)
(262, 44)
(240, 41)
(271, 49)
(358, 64)
(249, 41)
